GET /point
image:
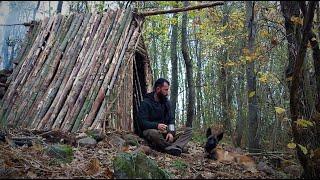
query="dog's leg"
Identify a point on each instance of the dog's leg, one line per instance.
(212, 156)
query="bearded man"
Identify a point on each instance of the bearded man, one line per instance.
(156, 121)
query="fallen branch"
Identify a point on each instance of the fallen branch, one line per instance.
(19, 24)
(175, 10)
(267, 153)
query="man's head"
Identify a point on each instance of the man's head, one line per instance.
(161, 88)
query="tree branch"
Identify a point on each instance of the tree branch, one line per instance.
(175, 10)
(20, 24)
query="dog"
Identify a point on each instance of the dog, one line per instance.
(216, 152)
(212, 142)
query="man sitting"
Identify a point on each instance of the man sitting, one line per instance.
(156, 121)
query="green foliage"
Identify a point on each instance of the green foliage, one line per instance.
(61, 152)
(219, 36)
(199, 137)
(179, 164)
(99, 6)
(137, 166)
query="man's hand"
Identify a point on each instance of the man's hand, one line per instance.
(162, 127)
(169, 137)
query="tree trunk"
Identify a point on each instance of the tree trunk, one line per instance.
(316, 62)
(154, 53)
(224, 81)
(237, 136)
(306, 137)
(164, 65)
(189, 69)
(36, 10)
(59, 7)
(251, 80)
(199, 83)
(174, 65)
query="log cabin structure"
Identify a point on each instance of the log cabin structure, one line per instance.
(79, 72)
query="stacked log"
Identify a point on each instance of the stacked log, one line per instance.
(73, 71)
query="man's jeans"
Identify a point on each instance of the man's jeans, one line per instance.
(158, 141)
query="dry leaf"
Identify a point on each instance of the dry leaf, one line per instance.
(93, 167)
(108, 173)
(125, 149)
(31, 175)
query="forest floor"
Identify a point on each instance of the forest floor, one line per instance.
(34, 161)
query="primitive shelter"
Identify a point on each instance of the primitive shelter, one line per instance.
(76, 72)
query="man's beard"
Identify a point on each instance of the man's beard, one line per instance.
(162, 98)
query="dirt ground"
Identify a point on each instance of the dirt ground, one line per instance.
(96, 161)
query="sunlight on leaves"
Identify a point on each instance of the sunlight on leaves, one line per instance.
(263, 78)
(291, 145)
(296, 20)
(251, 94)
(279, 110)
(264, 33)
(304, 123)
(230, 63)
(303, 149)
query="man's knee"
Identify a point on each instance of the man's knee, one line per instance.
(152, 134)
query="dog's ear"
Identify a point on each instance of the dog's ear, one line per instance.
(220, 136)
(209, 132)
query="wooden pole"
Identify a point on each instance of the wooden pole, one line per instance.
(175, 10)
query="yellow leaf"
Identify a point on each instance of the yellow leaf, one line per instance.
(279, 110)
(296, 20)
(304, 123)
(291, 145)
(263, 78)
(230, 64)
(303, 149)
(264, 33)
(245, 51)
(251, 94)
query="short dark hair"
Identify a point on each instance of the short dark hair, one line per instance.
(159, 82)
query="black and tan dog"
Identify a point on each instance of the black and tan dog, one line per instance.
(212, 142)
(216, 152)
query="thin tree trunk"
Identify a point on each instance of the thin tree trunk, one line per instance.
(59, 7)
(251, 81)
(199, 82)
(237, 137)
(224, 81)
(36, 10)
(189, 69)
(174, 65)
(154, 53)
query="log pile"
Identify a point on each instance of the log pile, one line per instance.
(76, 73)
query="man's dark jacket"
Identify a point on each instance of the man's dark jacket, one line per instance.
(152, 112)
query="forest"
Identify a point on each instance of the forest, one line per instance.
(248, 68)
